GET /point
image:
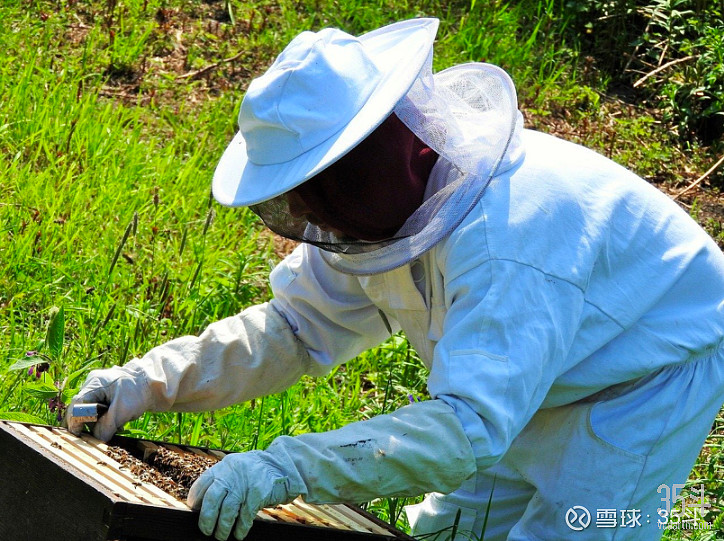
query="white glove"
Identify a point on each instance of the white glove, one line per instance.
(419, 448)
(236, 488)
(123, 389)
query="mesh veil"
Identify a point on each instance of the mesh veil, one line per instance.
(468, 114)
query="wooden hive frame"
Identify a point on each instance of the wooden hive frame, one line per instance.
(57, 486)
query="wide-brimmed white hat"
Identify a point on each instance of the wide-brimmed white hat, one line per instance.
(323, 95)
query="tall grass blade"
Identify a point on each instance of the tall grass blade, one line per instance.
(455, 525)
(487, 510)
(103, 323)
(196, 274)
(179, 426)
(209, 220)
(183, 241)
(196, 432)
(385, 400)
(131, 227)
(10, 390)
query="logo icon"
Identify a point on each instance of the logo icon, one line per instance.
(578, 518)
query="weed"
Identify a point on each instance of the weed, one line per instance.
(672, 50)
(47, 366)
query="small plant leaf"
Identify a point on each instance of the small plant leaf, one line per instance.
(74, 377)
(68, 394)
(41, 390)
(26, 363)
(132, 226)
(21, 417)
(56, 332)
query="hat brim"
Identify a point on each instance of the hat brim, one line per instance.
(400, 51)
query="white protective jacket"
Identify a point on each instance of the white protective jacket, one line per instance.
(570, 275)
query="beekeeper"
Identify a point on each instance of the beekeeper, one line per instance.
(571, 316)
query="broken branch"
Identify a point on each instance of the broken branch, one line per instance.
(700, 179)
(662, 68)
(206, 69)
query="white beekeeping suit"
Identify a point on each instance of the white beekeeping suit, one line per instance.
(570, 315)
(573, 322)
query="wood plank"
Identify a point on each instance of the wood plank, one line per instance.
(360, 519)
(281, 515)
(308, 517)
(318, 511)
(203, 453)
(103, 447)
(148, 448)
(97, 461)
(176, 449)
(264, 516)
(333, 510)
(391, 530)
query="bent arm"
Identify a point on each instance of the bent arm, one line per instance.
(318, 319)
(238, 358)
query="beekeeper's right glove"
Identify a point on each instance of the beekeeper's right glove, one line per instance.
(123, 389)
(416, 449)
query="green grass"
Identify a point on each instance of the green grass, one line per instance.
(110, 128)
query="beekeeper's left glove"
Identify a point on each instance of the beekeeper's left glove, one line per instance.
(236, 488)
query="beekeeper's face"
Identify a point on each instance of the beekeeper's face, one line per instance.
(299, 209)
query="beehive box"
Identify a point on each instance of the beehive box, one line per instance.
(57, 486)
